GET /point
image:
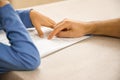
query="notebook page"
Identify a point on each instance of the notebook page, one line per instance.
(45, 46)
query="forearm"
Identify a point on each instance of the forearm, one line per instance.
(23, 14)
(107, 28)
(22, 53)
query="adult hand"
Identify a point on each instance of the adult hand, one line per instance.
(39, 20)
(69, 28)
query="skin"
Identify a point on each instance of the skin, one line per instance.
(3, 2)
(37, 19)
(70, 28)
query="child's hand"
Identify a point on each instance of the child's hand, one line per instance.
(39, 20)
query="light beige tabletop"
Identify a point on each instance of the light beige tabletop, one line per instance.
(97, 58)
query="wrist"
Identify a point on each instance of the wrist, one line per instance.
(91, 27)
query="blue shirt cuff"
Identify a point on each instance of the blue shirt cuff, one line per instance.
(25, 17)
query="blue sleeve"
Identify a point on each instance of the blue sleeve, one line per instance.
(22, 53)
(25, 17)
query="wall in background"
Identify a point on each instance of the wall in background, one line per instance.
(27, 3)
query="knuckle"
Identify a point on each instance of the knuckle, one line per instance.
(67, 21)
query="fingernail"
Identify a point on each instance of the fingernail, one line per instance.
(41, 36)
(49, 38)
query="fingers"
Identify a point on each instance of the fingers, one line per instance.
(40, 33)
(50, 23)
(38, 28)
(58, 29)
(69, 34)
(43, 20)
(65, 34)
(47, 22)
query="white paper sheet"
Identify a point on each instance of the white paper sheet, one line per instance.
(45, 46)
